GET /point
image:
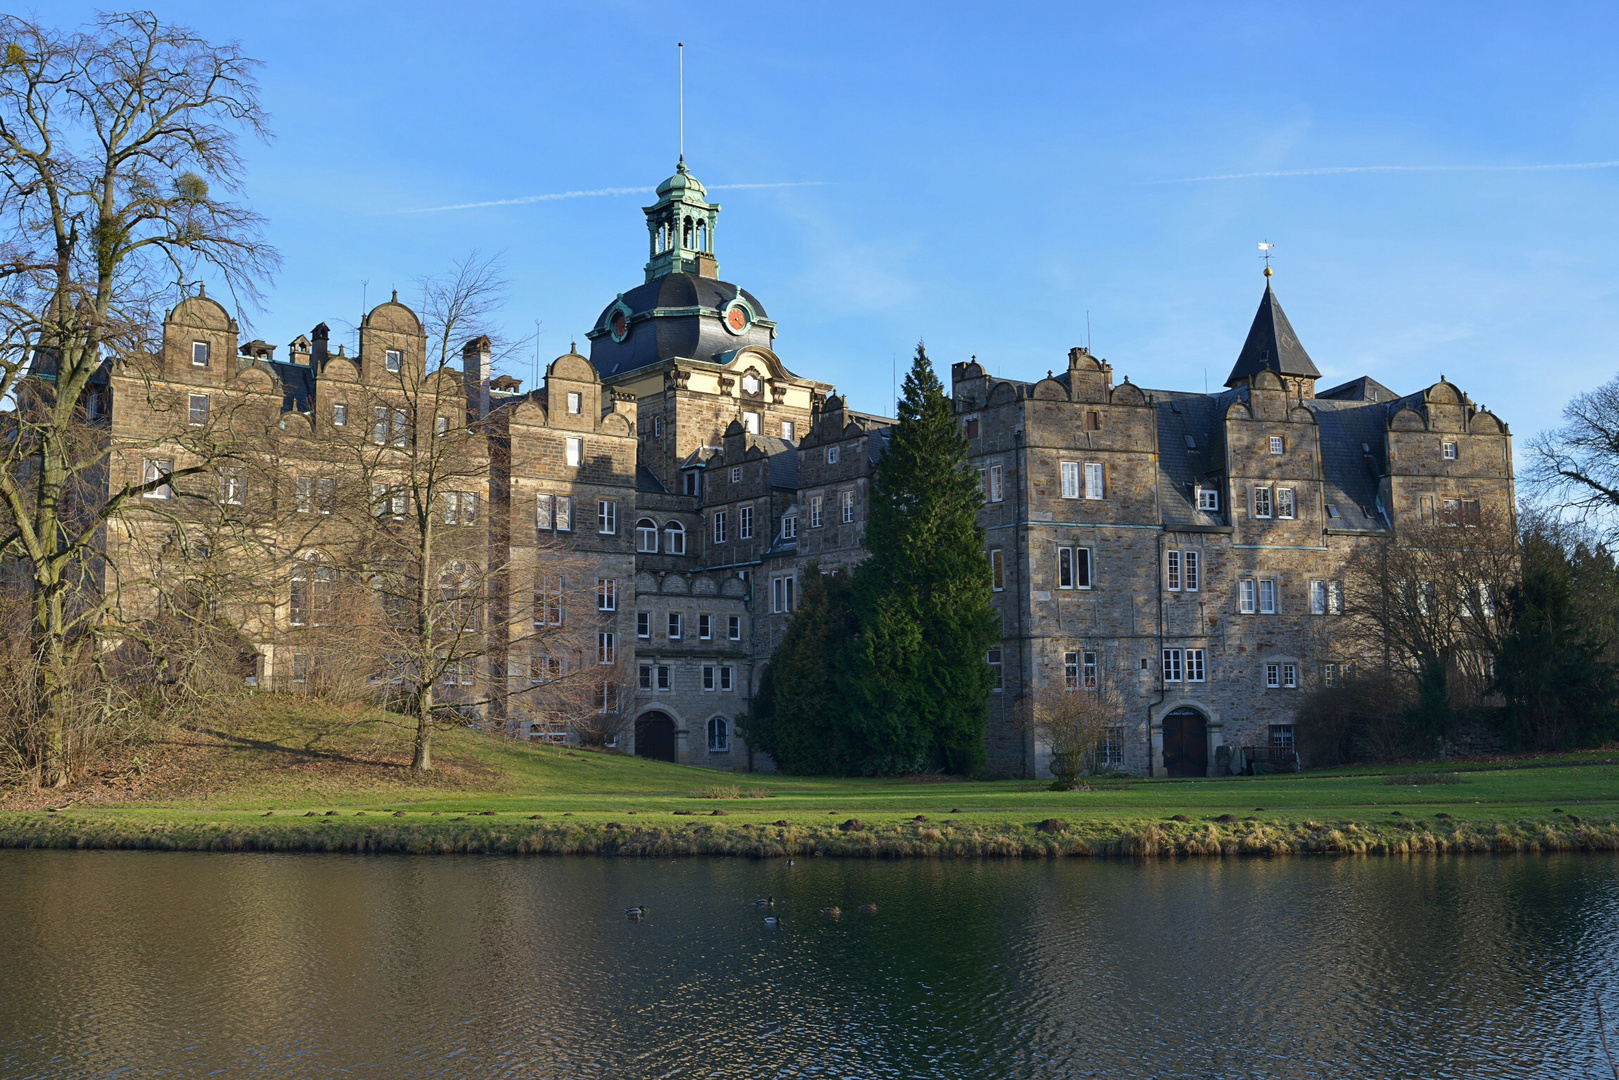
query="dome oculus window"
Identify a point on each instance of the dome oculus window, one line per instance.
(619, 324)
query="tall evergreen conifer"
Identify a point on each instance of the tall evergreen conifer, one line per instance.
(922, 597)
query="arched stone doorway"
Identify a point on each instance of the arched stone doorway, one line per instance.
(1186, 743)
(655, 736)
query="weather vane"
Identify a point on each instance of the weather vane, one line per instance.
(1265, 248)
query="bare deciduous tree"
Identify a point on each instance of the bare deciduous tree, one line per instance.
(1073, 723)
(1576, 467)
(115, 146)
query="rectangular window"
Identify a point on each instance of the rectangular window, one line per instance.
(401, 428)
(1088, 671)
(1281, 736)
(1093, 420)
(750, 423)
(1290, 676)
(340, 416)
(1470, 512)
(1245, 596)
(691, 482)
(564, 515)
(972, 427)
(1267, 596)
(788, 432)
(232, 487)
(848, 507)
(1094, 486)
(1486, 601)
(1273, 676)
(198, 409)
(674, 626)
(1284, 502)
(815, 511)
(997, 570)
(325, 494)
(305, 495)
(645, 679)
(997, 491)
(657, 427)
(1208, 498)
(606, 594)
(725, 679)
(744, 523)
(604, 648)
(1110, 751)
(548, 602)
(831, 455)
(993, 658)
(441, 426)
(542, 512)
(1338, 674)
(1261, 502)
(782, 598)
(733, 627)
(1173, 571)
(393, 359)
(156, 468)
(719, 526)
(1065, 568)
(1070, 670)
(708, 677)
(469, 508)
(1172, 665)
(643, 625)
(664, 681)
(1277, 444)
(575, 451)
(379, 425)
(606, 517)
(789, 527)
(736, 474)
(199, 354)
(576, 403)
(1194, 665)
(1070, 480)
(705, 627)
(1449, 450)
(452, 507)
(1194, 570)
(543, 668)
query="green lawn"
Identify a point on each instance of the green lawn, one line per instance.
(276, 768)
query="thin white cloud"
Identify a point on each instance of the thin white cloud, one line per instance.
(1336, 170)
(556, 196)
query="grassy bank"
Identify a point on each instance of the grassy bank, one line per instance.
(277, 776)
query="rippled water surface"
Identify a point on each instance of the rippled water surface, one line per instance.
(170, 965)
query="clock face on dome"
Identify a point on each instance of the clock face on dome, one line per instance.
(619, 326)
(736, 319)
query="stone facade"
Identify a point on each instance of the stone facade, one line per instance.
(1185, 550)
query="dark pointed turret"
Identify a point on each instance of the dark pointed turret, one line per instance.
(1272, 346)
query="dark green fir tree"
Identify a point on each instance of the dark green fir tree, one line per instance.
(922, 599)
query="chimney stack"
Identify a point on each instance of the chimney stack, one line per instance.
(318, 338)
(475, 365)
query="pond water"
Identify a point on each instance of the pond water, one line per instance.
(188, 965)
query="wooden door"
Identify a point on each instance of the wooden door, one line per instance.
(1186, 743)
(655, 737)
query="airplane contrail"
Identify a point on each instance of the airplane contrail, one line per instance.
(524, 200)
(1339, 169)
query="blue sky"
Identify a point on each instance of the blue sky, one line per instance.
(976, 176)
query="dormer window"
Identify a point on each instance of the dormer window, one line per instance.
(576, 403)
(788, 431)
(199, 354)
(393, 359)
(1208, 499)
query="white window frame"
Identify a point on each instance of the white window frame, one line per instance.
(788, 431)
(720, 527)
(393, 360)
(1290, 676)
(643, 528)
(1088, 670)
(1247, 597)
(736, 474)
(198, 409)
(232, 487)
(576, 403)
(340, 416)
(1262, 502)
(1273, 676)
(744, 523)
(643, 625)
(606, 648)
(1172, 570)
(1173, 668)
(606, 517)
(705, 627)
(1070, 670)
(783, 594)
(674, 626)
(1269, 598)
(1071, 485)
(574, 452)
(1286, 504)
(151, 469)
(815, 511)
(1195, 665)
(564, 513)
(1278, 445)
(709, 682)
(1095, 480)
(606, 594)
(304, 495)
(544, 504)
(1193, 570)
(832, 455)
(674, 538)
(997, 485)
(733, 627)
(1208, 499)
(203, 349)
(847, 503)
(719, 735)
(1448, 449)
(750, 423)
(441, 426)
(789, 527)
(997, 570)
(996, 660)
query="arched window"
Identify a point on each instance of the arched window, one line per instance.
(685, 234)
(646, 535)
(702, 236)
(674, 538)
(719, 735)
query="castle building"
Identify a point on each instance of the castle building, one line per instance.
(1185, 550)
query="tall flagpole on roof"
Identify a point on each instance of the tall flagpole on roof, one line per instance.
(680, 48)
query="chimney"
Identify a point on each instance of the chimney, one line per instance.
(475, 364)
(317, 345)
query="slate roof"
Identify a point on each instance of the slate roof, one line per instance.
(1364, 388)
(1352, 440)
(1190, 452)
(646, 480)
(1272, 345)
(674, 315)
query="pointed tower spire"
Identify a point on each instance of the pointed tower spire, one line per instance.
(1273, 346)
